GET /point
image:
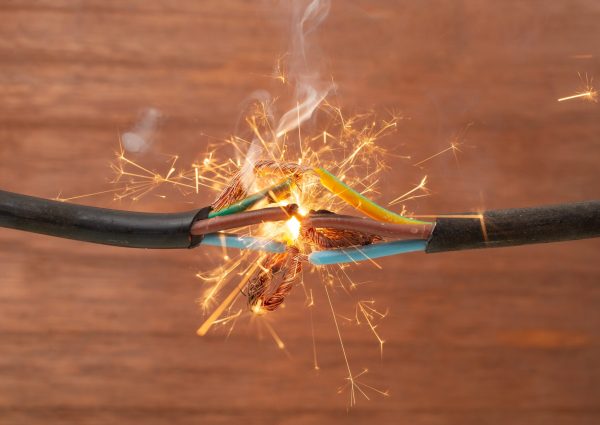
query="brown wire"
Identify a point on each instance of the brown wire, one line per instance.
(246, 218)
(368, 226)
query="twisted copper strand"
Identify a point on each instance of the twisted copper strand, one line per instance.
(326, 238)
(236, 190)
(280, 272)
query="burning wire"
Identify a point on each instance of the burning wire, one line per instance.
(184, 230)
(331, 239)
(318, 237)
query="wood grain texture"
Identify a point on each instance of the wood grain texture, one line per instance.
(98, 335)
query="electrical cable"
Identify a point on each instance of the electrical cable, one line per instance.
(499, 228)
(135, 229)
(187, 229)
(518, 226)
(99, 225)
(360, 202)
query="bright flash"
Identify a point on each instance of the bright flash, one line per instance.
(293, 226)
(257, 309)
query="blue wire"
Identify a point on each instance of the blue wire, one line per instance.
(318, 258)
(351, 255)
(242, 242)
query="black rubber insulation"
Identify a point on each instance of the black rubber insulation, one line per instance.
(99, 225)
(519, 226)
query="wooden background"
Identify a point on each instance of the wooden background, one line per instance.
(97, 335)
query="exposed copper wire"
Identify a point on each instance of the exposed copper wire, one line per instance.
(327, 238)
(282, 167)
(237, 190)
(232, 193)
(274, 280)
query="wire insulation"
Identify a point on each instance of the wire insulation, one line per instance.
(368, 226)
(360, 202)
(246, 218)
(369, 252)
(99, 225)
(519, 226)
(227, 240)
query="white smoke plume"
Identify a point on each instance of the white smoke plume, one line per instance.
(310, 90)
(141, 136)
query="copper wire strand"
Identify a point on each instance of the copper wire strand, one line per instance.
(326, 238)
(237, 190)
(246, 218)
(368, 226)
(273, 282)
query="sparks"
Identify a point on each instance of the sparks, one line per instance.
(349, 146)
(352, 150)
(366, 310)
(591, 95)
(588, 92)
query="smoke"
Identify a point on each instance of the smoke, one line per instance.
(255, 151)
(309, 98)
(310, 90)
(247, 172)
(141, 136)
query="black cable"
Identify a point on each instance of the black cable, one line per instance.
(519, 226)
(99, 225)
(173, 230)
